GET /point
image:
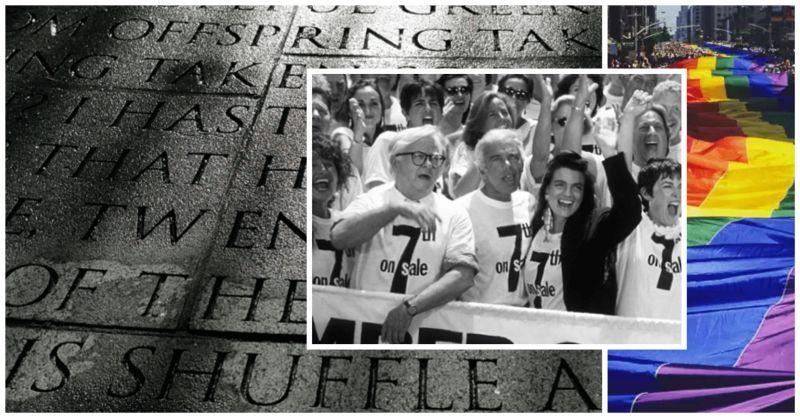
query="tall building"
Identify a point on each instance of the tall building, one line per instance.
(764, 26)
(682, 22)
(631, 24)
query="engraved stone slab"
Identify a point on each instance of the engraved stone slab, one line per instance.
(54, 370)
(564, 32)
(203, 49)
(155, 208)
(260, 247)
(102, 293)
(124, 176)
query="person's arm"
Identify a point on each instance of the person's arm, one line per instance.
(450, 286)
(573, 132)
(469, 182)
(459, 265)
(626, 210)
(541, 136)
(451, 117)
(636, 105)
(354, 230)
(357, 155)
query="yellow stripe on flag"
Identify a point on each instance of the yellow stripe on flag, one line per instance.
(713, 88)
(758, 185)
(707, 62)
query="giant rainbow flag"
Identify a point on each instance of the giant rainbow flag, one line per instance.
(740, 272)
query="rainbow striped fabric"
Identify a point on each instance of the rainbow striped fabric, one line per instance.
(740, 274)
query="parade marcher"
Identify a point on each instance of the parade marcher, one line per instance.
(421, 102)
(520, 88)
(489, 111)
(458, 99)
(668, 94)
(568, 263)
(563, 126)
(500, 215)
(408, 239)
(321, 122)
(643, 132)
(393, 117)
(329, 164)
(649, 267)
(362, 117)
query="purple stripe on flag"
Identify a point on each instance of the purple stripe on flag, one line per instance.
(782, 401)
(772, 347)
(771, 394)
(686, 376)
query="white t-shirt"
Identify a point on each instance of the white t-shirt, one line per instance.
(650, 272)
(601, 192)
(349, 193)
(544, 282)
(675, 152)
(463, 158)
(377, 166)
(401, 259)
(502, 235)
(329, 266)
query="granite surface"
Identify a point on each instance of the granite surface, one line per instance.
(155, 208)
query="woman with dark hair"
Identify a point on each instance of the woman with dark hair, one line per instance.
(330, 166)
(568, 265)
(362, 117)
(490, 110)
(458, 99)
(520, 88)
(560, 127)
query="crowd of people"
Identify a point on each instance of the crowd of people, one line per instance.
(665, 54)
(553, 192)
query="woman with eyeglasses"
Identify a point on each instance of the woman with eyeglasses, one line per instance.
(520, 88)
(491, 110)
(362, 115)
(408, 239)
(458, 100)
(552, 136)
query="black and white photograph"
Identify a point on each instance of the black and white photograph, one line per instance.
(496, 207)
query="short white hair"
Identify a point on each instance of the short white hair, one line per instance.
(408, 137)
(496, 136)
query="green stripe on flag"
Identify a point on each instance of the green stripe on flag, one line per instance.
(786, 207)
(701, 230)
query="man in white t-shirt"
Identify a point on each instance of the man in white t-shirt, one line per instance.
(649, 265)
(408, 239)
(422, 104)
(500, 215)
(643, 132)
(668, 94)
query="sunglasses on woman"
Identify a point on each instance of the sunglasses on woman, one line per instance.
(452, 91)
(517, 94)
